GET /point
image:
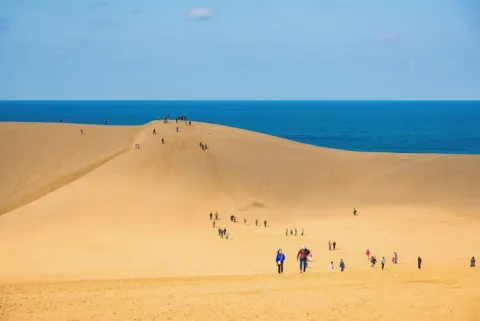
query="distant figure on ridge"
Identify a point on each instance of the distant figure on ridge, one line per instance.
(280, 258)
(265, 223)
(419, 262)
(211, 216)
(256, 222)
(154, 132)
(472, 262)
(354, 212)
(342, 265)
(81, 131)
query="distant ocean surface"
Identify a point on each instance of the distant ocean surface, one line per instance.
(446, 127)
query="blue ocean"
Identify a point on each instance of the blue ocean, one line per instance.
(447, 127)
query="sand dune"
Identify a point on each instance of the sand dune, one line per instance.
(90, 207)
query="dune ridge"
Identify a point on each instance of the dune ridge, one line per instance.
(91, 207)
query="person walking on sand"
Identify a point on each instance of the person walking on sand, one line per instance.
(291, 232)
(295, 231)
(330, 267)
(419, 261)
(334, 245)
(354, 212)
(329, 245)
(367, 254)
(472, 262)
(302, 258)
(211, 216)
(395, 258)
(163, 140)
(302, 231)
(342, 265)
(226, 235)
(286, 232)
(154, 132)
(373, 261)
(265, 223)
(219, 231)
(81, 131)
(383, 262)
(256, 222)
(280, 258)
(216, 215)
(213, 224)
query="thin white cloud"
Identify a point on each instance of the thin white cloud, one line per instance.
(100, 23)
(387, 37)
(200, 14)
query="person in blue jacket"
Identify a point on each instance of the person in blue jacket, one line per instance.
(279, 259)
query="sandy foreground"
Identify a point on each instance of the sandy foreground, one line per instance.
(93, 229)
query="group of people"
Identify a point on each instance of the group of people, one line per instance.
(203, 146)
(341, 265)
(293, 232)
(373, 259)
(137, 146)
(332, 246)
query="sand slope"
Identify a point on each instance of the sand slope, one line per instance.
(129, 213)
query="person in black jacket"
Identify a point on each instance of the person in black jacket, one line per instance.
(419, 260)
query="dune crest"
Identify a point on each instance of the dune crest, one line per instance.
(91, 207)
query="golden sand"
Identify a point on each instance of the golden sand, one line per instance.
(93, 229)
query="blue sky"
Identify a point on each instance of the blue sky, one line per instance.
(249, 49)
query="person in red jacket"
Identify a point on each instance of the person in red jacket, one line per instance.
(302, 255)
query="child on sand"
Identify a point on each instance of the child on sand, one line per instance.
(472, 262)
(367, 254)
(280, 258)
(330, 267)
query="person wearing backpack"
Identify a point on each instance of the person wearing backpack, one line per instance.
(302, 258)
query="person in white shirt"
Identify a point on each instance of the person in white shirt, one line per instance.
(330, 267)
